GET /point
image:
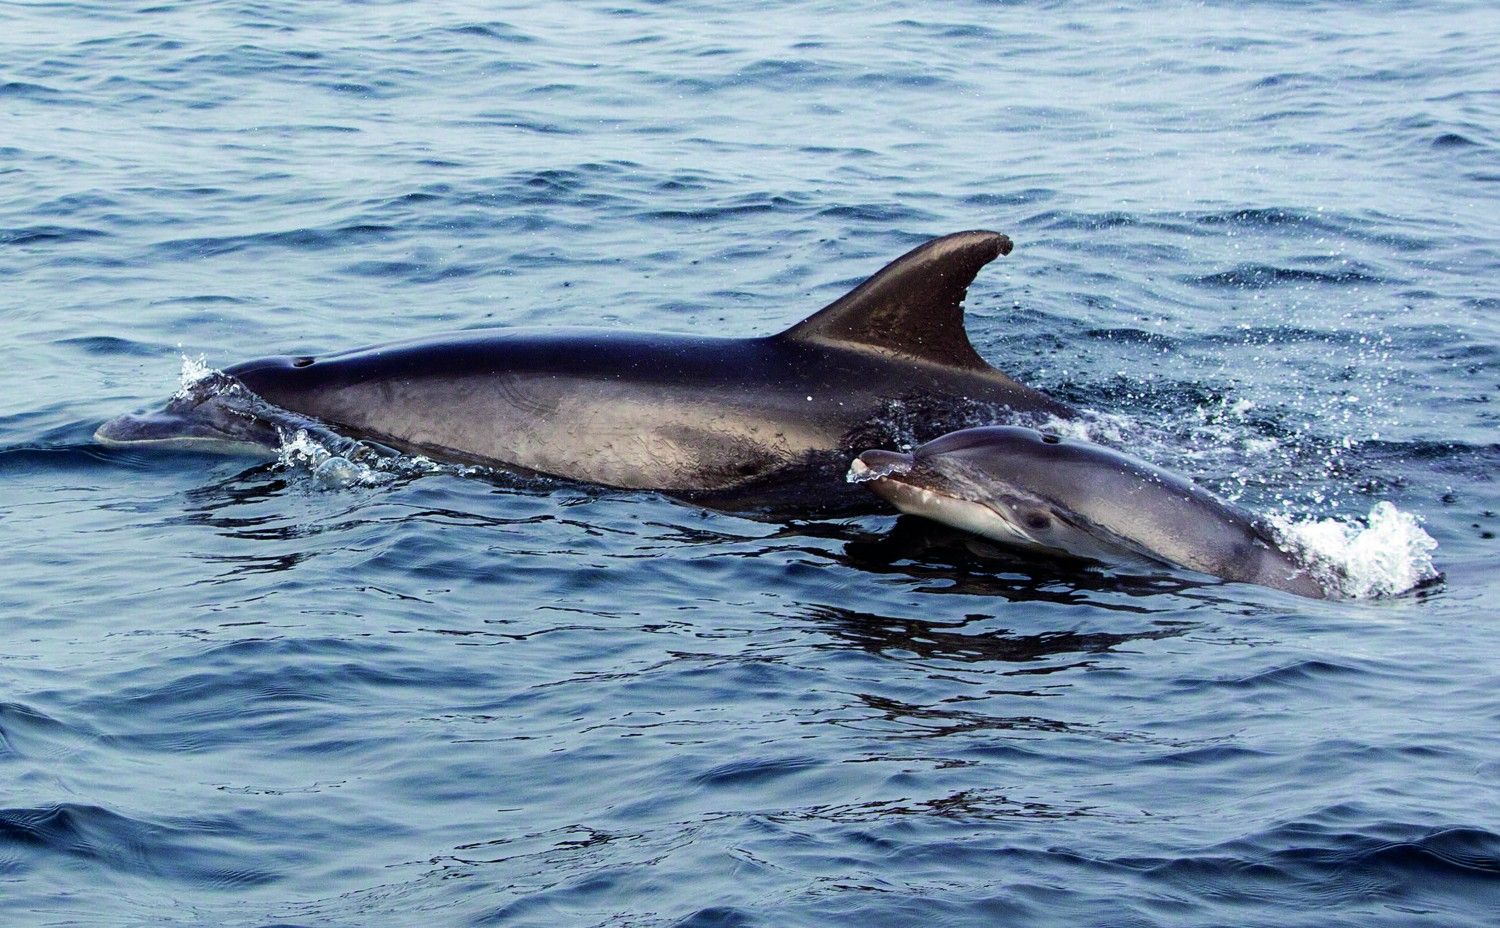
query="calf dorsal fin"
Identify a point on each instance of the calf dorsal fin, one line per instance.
(914, 305)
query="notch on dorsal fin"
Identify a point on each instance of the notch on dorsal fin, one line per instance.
(914, 305)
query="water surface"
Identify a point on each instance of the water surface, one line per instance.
(1258, 239)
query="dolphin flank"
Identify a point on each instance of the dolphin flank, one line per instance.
(738, 422)
(1059, 496)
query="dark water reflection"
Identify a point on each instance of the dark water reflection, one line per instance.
(974, 638)
(929, 552)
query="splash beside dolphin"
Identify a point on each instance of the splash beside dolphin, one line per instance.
(739, 422)
(1060, 496)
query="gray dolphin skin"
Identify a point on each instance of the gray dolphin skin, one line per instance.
(738, 422)
(1038, 491)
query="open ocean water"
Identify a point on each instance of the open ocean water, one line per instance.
(1260, 240)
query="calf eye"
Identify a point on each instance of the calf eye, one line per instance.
(1038, 521)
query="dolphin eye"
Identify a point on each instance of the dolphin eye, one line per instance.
(303, 361)
(1050, 439)
(1038, 521)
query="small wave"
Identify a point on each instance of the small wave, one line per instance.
(1312, 224)
(510, 119)
(26, 730)
(184, 850)
(720, 916)
(715, 213)
(886, 213)
(1264, 276)
(48, 235)
(410, 271)
(30, 91)
(1388, 555)
(1161, 341)
(1268, 217)
(1303, 674)
(753, 771)
(1007, 198)
(1343, 861)
(108, 345)
(1070, 220)
(499, 31)
(293, 239)
(1453, 140)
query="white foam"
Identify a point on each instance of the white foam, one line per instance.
(303, 452)
(1098, 427)
(860, 472)
(336, 462)
(1390, 554)
(194, 371)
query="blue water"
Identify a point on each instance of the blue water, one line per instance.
(1259, 240)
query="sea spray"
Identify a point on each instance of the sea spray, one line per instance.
(1389, 554)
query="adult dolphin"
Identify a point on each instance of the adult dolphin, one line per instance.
(739, 422)
(1038, 491)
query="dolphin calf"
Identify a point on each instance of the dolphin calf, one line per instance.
(737, 422)
(1059, 496)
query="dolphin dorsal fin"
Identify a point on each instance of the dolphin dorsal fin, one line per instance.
(914, 305)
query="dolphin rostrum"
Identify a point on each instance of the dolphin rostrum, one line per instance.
(732, 421)
(1059, 496)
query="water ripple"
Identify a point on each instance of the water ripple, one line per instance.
(1256, 244)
